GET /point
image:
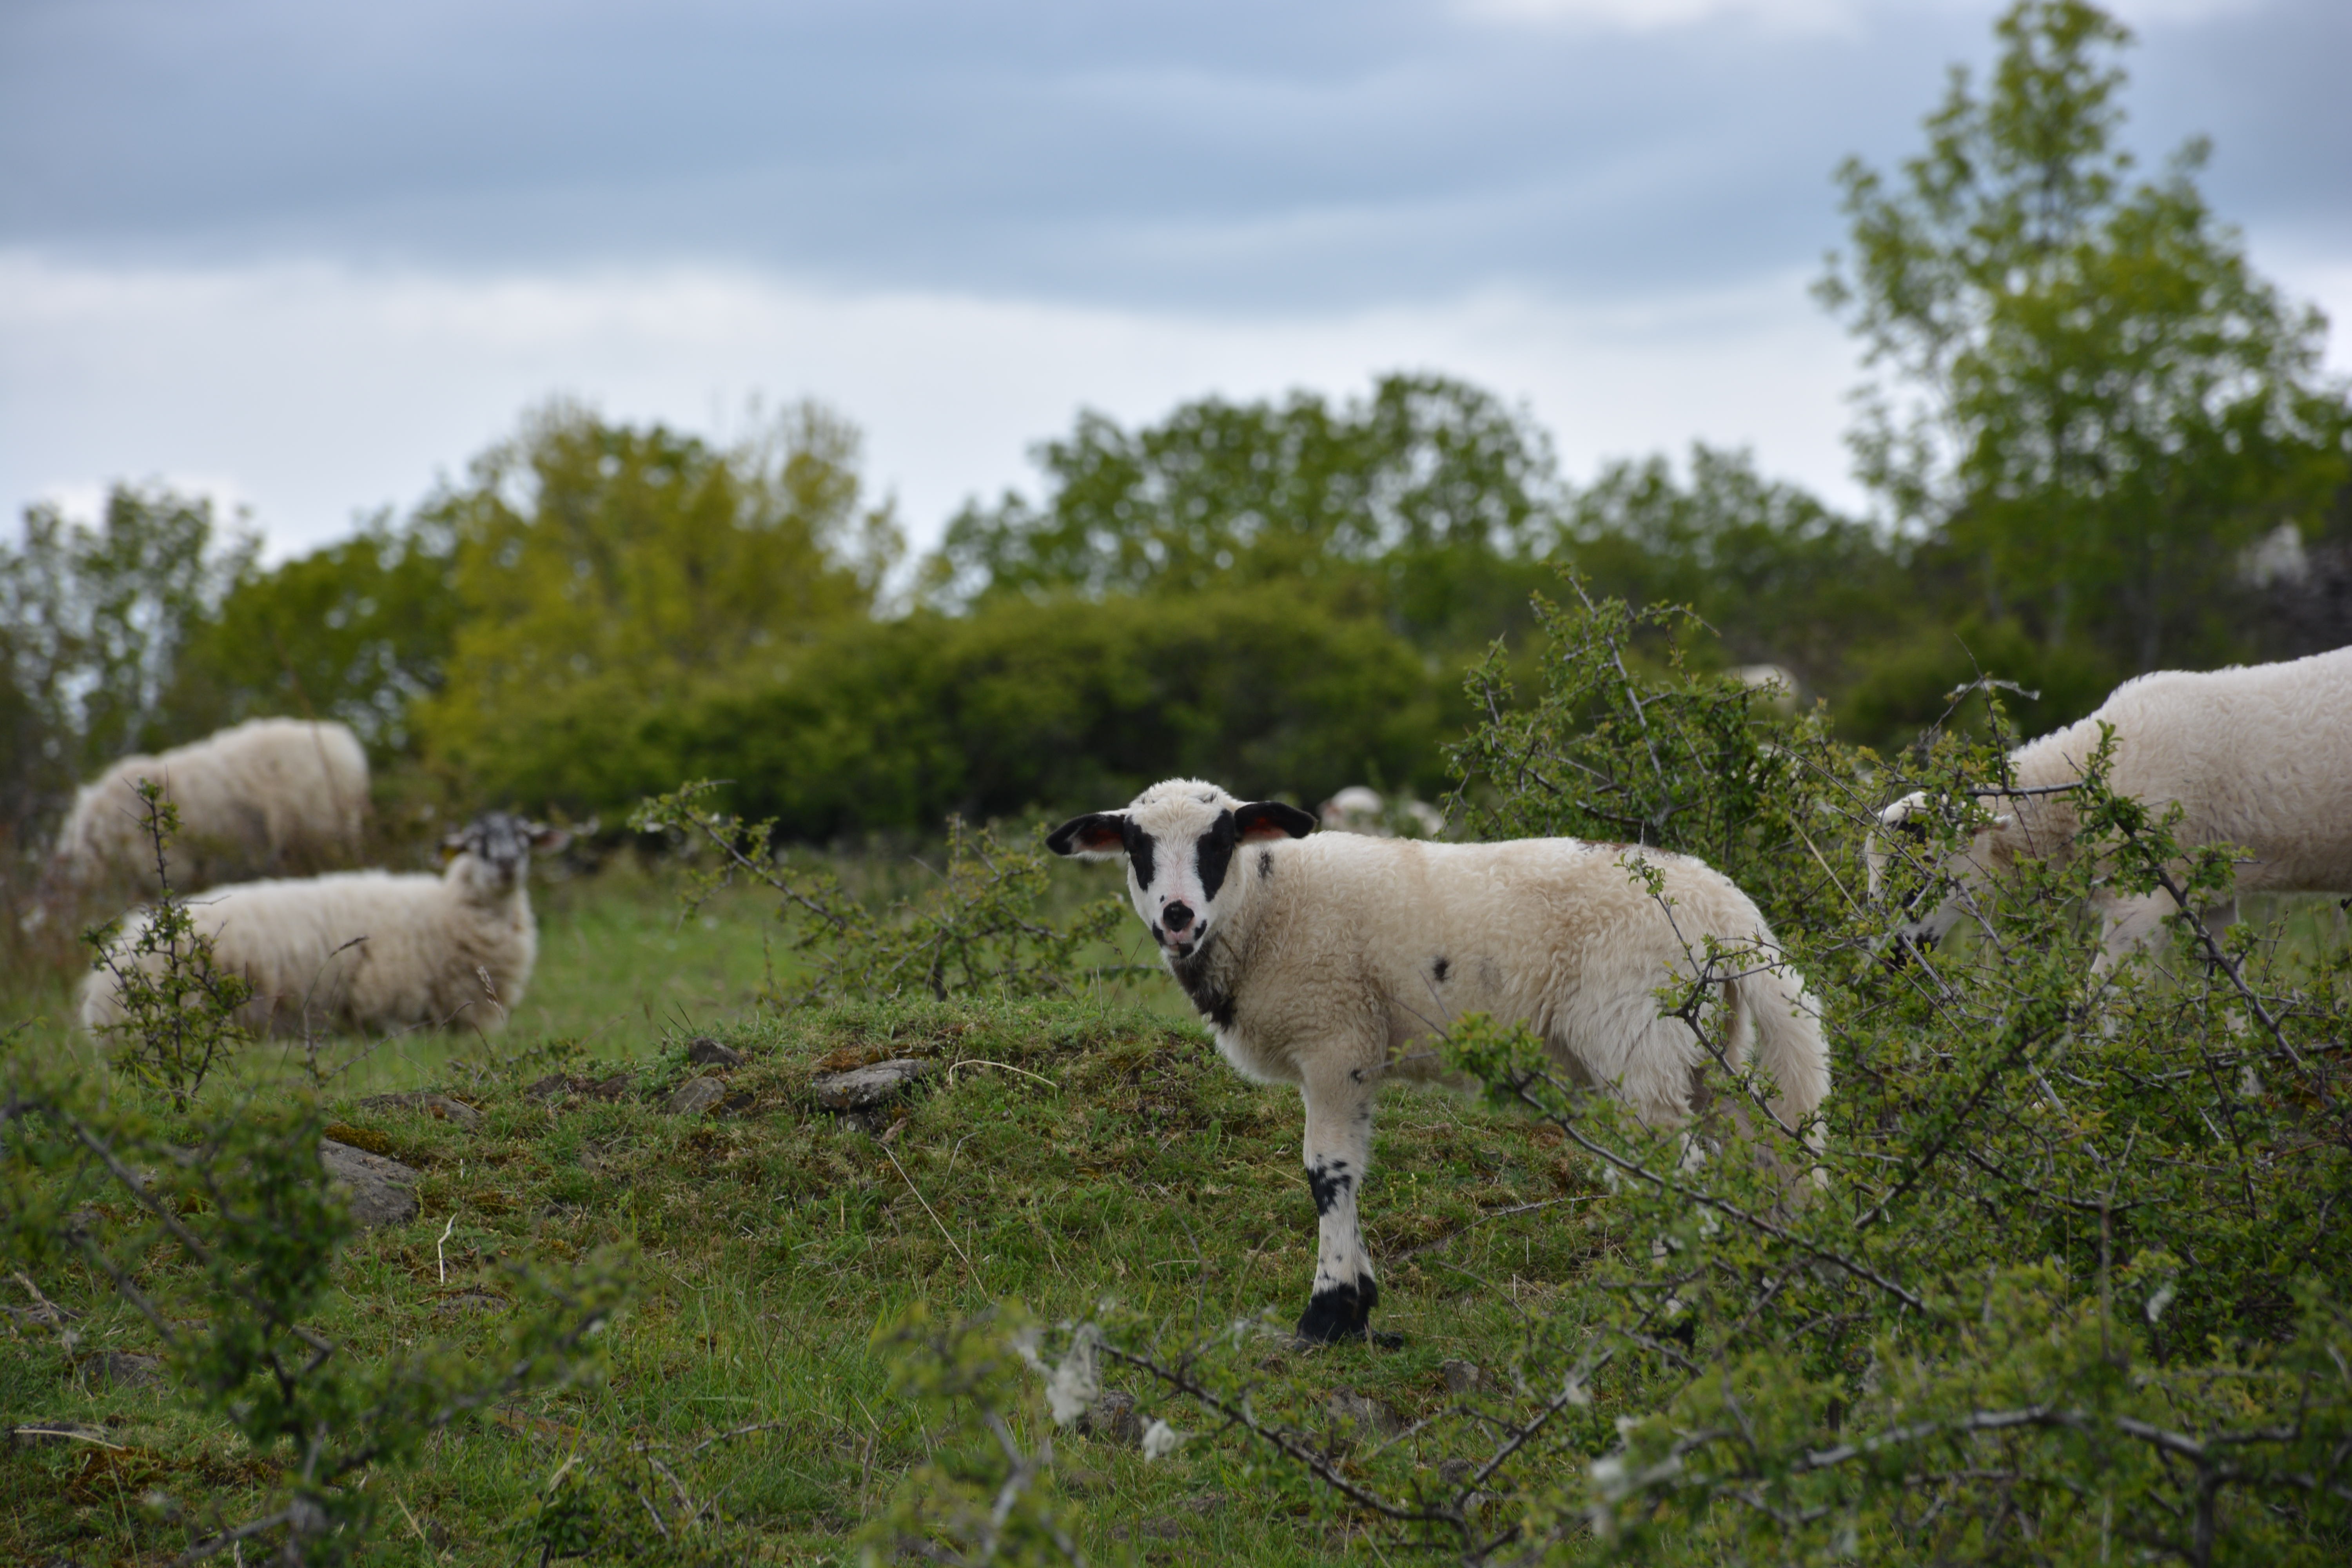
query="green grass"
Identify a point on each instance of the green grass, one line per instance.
(1122, 1159)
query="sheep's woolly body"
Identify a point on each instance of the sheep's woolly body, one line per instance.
(267, 792)
(1333, 961)
(2258, 756)
(1372, 947)
(360, 951)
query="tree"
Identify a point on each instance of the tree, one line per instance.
(603, 570)
(1778, 575)
(2093, 398)
(355, 631)
(92, 623)
(1425, 500)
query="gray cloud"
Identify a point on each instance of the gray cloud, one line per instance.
(1210, 155)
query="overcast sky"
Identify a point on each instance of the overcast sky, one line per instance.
(310, 255)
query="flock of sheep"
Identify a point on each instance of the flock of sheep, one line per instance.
(359, 950)
(1330, 961)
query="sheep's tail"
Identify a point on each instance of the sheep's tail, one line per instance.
(1787, 1041)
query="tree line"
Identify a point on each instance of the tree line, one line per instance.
(2097, 440)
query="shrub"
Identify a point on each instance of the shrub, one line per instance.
(976, 929)
(2076, 1289)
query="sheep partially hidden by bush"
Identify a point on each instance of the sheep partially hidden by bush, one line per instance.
(369, 949)
(1359, 808)
(1331, 962)
(2260, 757)
(267, 795)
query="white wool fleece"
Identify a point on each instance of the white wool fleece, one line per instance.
(363, 949)
(2258, 756)
(1333, 961)
(251, 798)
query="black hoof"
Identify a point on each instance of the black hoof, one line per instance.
(1339, 1312)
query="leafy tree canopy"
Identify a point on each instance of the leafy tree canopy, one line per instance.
(355, 631)
(1414, 495)
(601, 568)
(2089, 397)
(93, 620)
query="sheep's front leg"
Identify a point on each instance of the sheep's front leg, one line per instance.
(1338, 1149)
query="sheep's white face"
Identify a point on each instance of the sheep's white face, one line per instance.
(1180, 840)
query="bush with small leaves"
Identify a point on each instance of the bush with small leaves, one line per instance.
(976, 929)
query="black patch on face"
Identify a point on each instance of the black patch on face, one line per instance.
(1330, 1184)
(1266, 865)
(1340, 1311)
(1216, 854)
(1140, 845)
(1439, 969)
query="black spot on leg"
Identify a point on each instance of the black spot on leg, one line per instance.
(1440, 968)
(1329, 1183)
(1339, 1312)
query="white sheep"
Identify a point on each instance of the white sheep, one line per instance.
(1331, 962)
(265, 795)
(1359, 808)
(368, 949)
(2257, 756)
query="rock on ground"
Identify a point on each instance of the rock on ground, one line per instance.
(382, 1191)
(695, 1096)
(861, 1088)
(705, 1052)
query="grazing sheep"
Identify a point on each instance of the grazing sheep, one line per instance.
(1359, 808)
(1331, 962)
(265, 795)
(369, 950)
(2260, 757)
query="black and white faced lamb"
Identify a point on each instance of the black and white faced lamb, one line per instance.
(1334, 961)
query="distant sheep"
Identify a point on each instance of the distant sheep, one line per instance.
(2260, 757)
(1777, 685)
(1331, 962)
(1361, 809)
(369, 951)
(269, 793)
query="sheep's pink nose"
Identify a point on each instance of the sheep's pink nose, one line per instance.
(1176, 917)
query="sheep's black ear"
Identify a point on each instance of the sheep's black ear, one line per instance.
(1264, 820)
(1098, 836)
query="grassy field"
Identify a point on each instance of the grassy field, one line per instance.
(1060, 1154)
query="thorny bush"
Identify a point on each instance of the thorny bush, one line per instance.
(2074, 1289)
(977, 928)
(179, 1008)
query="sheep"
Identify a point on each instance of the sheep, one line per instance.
(2256, 756)
(263, 795)
(1361, 809)
(1331, 962)
(1776, 686)
(367, 949)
